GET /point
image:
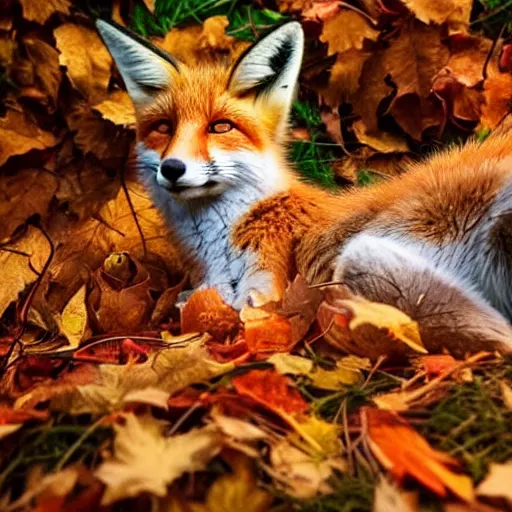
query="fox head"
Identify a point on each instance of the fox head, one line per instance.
(205, 129)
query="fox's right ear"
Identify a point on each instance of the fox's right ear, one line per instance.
(145, 68)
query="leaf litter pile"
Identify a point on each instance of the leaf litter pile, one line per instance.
(117, 394)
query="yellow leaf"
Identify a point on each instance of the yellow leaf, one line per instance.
(290, 364)
(144, 460)
(117, 108)
(455, 12)
(326, 436)
(74, 318)
(238, 491)
(334, 379)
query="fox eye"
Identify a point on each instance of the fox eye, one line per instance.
(163, 127)
(221, 126)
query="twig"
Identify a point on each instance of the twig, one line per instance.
(492, 13)
(490, 53)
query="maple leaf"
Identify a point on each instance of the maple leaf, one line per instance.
(497, 482)
(144, 460)
(40, 12)
(88, 71)
(19, 135)
(345, 31)
(413, 455)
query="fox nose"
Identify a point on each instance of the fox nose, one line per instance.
(172, 169)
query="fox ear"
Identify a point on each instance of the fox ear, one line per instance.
(271, 66)
(145, 68)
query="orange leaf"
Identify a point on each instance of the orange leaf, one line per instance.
(270, 334)
(413, 456)
(271, 390)
(205, 311)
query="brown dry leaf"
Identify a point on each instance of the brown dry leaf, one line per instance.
(413, 456)
(40, 11)
(295, 5)
(144, 460)
(268, 333)
(22, 195)
(19, 135)
(92, 134)
(498, 99)
(497, 482)
(344, 77)
(117, 108)
(45, 62)
(321, 11)
(383, 142)
(455, 12)
(16, 273)
(86, 186)
(87, 60)
(346, 31)
(150, 4)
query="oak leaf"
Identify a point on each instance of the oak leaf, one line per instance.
(413, 456)
(345, 31)
(144, 460)
(87, 60)
(40, 12)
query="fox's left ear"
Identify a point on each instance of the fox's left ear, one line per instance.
(271, 66)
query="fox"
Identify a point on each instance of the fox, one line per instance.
(211, 148)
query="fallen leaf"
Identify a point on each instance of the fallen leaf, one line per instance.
(321, 11)
(238, 490)
(271, 390)
(148, 396)
(369, 329)
(169, 370)
(345, 31)
(40, 12)
(144, 460)
(74, 318)
(19, 135)
(298, 473)
(497, 482)
(7, 430)
(205, 311)
(389, 498)
(290, 364)
(214, 35)
(335, 379)
(236, 428)
(453, 12)
(325, 437)
(117, 108)
(15, 266)
(272, 333)
(413, 456)
(383, 142)
(88, 71)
